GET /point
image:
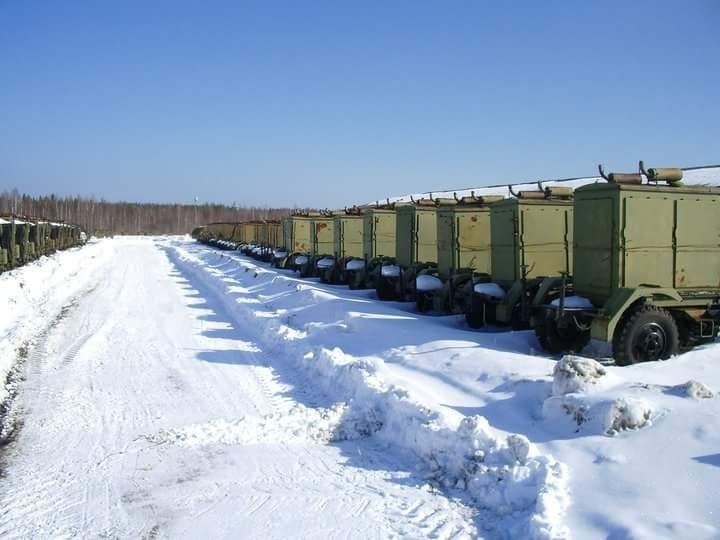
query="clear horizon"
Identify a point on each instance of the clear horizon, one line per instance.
(326, 104)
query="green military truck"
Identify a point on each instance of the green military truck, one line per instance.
(323, 243)
(347, 248)
(531, 241)
(7, 244)
(464, 254)
(378, 246)
(646, 272)
(282, 254)
(197, 233)
(311, 237)
(272, 237)
(415, 248)
(297, 239)
(224, 235)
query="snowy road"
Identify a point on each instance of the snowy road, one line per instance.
(140, 353)
(159, 388)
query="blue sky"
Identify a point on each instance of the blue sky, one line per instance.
(328, 103)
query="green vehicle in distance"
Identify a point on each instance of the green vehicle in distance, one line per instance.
(322, 230)
(464, 254)
(646, 273)
(415, 248)
(297, 242)
(310, 239)
(7, 243)
(347, 248)
(378, 246)
(531, 251)
(281, 256)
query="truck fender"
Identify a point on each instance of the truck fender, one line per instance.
(546, 284)
(603, 326)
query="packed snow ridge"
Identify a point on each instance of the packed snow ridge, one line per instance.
(505, 475)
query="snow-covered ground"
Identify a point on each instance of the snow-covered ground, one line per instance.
(165, 389)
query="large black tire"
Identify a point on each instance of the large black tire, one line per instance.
(423, 302)
(351, 278)
(474, 314)
(556, 340)
(646, 334)
(385, 289)
(517, 321)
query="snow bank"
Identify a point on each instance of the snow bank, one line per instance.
(574, 302)
(355, 264)
(696, 390)
(425, 282)
(31, 299)
(523, 492)
(390, 270)
(35, 297)
(327, 262)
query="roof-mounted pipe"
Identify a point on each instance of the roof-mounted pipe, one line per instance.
(602, 172)
(620, 178)
(671, 175)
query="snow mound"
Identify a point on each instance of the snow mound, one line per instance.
(502, 473)
(576, 374)
(355, 264)
(390, 270)
(493, 290)
(279, 254)
(596, 402)
(625, 414)
(600, 415)
(696, 390)
(425, 282)
(301, 259)
(327, 262)
(574, 302)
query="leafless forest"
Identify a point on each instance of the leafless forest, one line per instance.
(103, 217)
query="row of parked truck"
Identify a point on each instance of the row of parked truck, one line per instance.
(24, 239)
(631, 259)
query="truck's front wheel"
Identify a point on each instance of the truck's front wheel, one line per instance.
(648, 333)
(557, 339)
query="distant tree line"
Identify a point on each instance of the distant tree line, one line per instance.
(104, 217)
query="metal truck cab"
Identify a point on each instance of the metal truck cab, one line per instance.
(646, 268)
